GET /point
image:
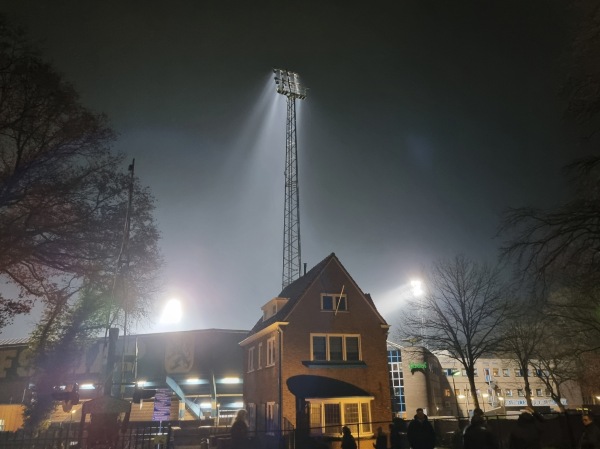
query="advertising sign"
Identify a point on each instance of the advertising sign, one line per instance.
(162, 405)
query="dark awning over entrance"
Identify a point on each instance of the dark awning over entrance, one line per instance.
(309, 386)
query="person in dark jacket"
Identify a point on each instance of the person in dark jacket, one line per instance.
(380, 439)
(478, 436)
(590, 438)
(420, 432)
(239, 431)
(347, 439)
(398, 434)
(527, 434)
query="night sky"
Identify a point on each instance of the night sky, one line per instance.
(424, 121)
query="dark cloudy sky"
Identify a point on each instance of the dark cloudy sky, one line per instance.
(425, 119)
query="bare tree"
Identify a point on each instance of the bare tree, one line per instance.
(461, 313)
(558, 251)
(556, 364)
(70, 216)
(522, 336)
(63, 193)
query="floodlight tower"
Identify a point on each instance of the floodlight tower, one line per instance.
(288, 84)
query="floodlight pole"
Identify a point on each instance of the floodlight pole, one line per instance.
(288, 84)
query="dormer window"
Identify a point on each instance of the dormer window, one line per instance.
(273, 307)
(334, 302)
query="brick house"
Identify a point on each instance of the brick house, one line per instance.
(317, 358)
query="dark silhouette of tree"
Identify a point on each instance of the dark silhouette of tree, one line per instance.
(556, 364)
(522, 336)
(77, 235)
(63, 193)
(581, 89)
(461, 313)
(556, 252)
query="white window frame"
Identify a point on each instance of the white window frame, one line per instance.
(328, 350)
(259, 356)
(271, 355)
(251, 359)
(272, 418)
(336, 302)
(364, 415)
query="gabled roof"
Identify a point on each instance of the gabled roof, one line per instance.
(294, 291)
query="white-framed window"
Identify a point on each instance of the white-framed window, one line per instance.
(521, 393)
(335, 347)
(251, 408)
(251, 359)
(259, 356)
(505, 372)
(538, 392)
(272, 418)
(509, 393)
(328, 415)
(270, 352)
(333, 302)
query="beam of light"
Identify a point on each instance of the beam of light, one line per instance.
(390, 302)
(172, 312)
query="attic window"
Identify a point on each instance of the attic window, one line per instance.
(334, 302)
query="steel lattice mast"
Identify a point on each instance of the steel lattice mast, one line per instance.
(288, 84)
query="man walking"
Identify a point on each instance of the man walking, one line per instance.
(590, 438)
(420, 432)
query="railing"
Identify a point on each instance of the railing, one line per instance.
(148, 436)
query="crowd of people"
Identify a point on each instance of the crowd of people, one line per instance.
(420, 434)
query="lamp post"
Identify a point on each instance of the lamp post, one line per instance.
(467, 400)
(484, 397)
(501, 399)
(454, 374)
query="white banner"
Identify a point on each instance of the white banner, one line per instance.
(536, 402)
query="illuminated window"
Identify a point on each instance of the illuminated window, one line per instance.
(495, 372)
(334, 302)
(447, 392)
(335, 348)
(270, 352)
(327, 416)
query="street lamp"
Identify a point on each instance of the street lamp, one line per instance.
(484, 396)
(454, 374)
(501, 399)
(462, 396)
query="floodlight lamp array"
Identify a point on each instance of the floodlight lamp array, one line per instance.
(288, 84)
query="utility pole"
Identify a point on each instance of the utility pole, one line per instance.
(288, 84)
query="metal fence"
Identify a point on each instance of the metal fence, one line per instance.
(145, 436)
(559, 431)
